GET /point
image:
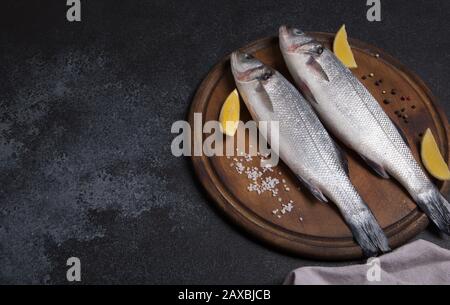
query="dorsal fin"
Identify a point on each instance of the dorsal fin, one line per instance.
(342, 157)
(317, 68)
(402, 134)
(379, 169)
(313, 189)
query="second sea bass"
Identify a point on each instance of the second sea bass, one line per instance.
(305, 146)
(349, 110)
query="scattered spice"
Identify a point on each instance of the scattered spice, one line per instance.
(371, 74)
(393, 92)
(384, 92)
(377, 55)
(403, 98)
(387, 101)
(413, 106)
(364, 77)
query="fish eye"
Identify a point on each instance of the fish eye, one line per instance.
(319, 50)
(297, 32)
(266, 75)
(248, 56)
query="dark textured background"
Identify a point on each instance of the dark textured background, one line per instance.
(85, 116)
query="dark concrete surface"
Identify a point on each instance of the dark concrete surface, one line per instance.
(85, 116)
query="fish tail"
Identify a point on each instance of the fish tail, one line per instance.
(368, 233)
(436, 207)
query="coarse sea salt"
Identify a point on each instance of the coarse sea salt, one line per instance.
(240, 168)
(288, 207)
(253, 173)
(260, 181)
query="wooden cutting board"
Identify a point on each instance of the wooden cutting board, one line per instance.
(313, 229)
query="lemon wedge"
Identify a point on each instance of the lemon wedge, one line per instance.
(342, 49)
(432, 158)
(229, 114)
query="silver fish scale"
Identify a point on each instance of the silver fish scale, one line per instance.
(306, 146)
(308, 150)
(372, 129)
(354, 116)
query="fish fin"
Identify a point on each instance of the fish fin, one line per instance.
(317, 68)
(436, 207)
(264, 96)
(402, 134)
(306, 92)
(313, 189)
(342, 157)
(367, 232)
(379, 169)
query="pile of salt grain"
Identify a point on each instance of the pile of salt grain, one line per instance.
(260, 184)
(285, 209)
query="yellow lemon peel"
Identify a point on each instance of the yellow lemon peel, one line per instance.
(229, 114)
(432, 157)
(342, 49)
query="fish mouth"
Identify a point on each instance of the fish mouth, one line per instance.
(287, 39)
(292, 39)
(285, 31)
(236, 64)
(235, 61)
(283, 36)
(243, 65)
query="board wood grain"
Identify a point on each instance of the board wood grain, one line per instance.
(313, 229)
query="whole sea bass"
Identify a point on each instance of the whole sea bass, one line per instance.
(305, 146)
(349, 110)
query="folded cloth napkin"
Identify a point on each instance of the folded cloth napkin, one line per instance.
(419, 262)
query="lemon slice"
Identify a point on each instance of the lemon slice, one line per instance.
(432, 158)
(342, 49)
(229, 114)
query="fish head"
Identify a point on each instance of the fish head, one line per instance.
(247, 68)
(295, 43)
(304, 56)
(251, 77)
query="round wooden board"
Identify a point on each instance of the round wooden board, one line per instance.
(321, 234)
